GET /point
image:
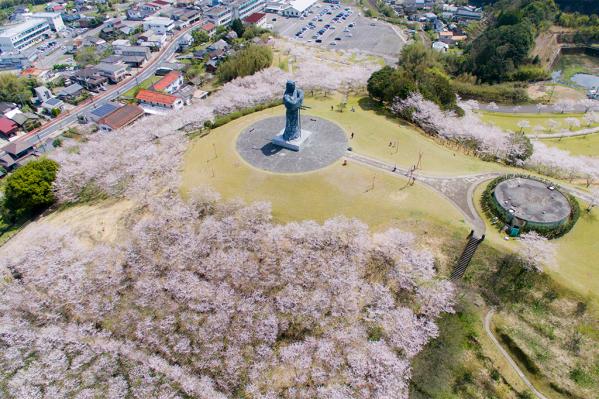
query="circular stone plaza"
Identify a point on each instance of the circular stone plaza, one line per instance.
(326, 144)
(532, 201)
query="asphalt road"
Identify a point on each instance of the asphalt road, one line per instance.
(369, 36)
(64, 120)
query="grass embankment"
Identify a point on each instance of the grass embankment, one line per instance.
(548, 321)
(582, 145)
(510, 121)
(212, 161)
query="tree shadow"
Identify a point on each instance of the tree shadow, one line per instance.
(270, 149)
(368, 104)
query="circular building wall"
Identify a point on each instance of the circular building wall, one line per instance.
(533, 201)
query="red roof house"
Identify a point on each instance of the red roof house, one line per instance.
(257, 18)
(154, 98)
(170, 83)
(209, 27)
(8, 127)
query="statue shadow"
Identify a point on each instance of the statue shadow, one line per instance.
(270, 149)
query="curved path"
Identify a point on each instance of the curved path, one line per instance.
(459, 190)
(512, 363)
(566, 133)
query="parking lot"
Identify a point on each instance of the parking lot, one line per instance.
(341, 27)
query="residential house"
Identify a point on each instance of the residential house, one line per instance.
(120, 117)
(25, 120)
(133, 51)
(8, 127)
(7, 107)
(114, 72)
(184, 3)
(170, 83)
(209, 28)
(53, 103)
(159, 25)
(257, 18)
(18, 151)
(162, 101)
(99, 112)
(212, 66)
(70, 92)
(14, 61)
(89, 78)
(152, 39)
(185, 42)
(120, 42)
(468, 13)
(134, 61)
(150, 8)
(219, 45)
(42, 94)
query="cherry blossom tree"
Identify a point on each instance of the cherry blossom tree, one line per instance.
(489, 139)
(523, 124)
(572, 123)
(536, 251)
(209, 299)
(552, 124)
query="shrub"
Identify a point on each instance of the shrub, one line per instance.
(530, 73)
(29, 189)
(246, 62)
(500, 93)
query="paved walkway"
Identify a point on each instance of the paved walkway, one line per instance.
(459, 190)
(506, 355)
(566, 133)
(532, 108)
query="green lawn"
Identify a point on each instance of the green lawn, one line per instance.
(143, 85)
(581, 145)
(510, 121)
(373, 133)
(319, 195)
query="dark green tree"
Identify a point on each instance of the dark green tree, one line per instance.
(237, 27)
(200, 36)
(379, 82)
(29, 189)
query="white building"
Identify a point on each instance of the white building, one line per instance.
(54, 19)
(298, 7)
(159, 24)
(440, 47)
(24, 35)
(219, 15)
(243, 8)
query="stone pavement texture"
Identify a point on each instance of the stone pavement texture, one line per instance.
(327, 144)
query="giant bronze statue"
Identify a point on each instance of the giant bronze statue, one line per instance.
(292, 99)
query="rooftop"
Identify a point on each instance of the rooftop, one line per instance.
(532, 200)
(104, 110)
(12, 30)
(7, 125)
(155, 97)
(254, 18)
(122, 116)
(167, 80)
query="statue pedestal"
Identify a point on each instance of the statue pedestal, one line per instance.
(293, 145)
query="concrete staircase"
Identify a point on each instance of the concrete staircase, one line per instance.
(467, 254)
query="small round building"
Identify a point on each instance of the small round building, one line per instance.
(525, 204)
